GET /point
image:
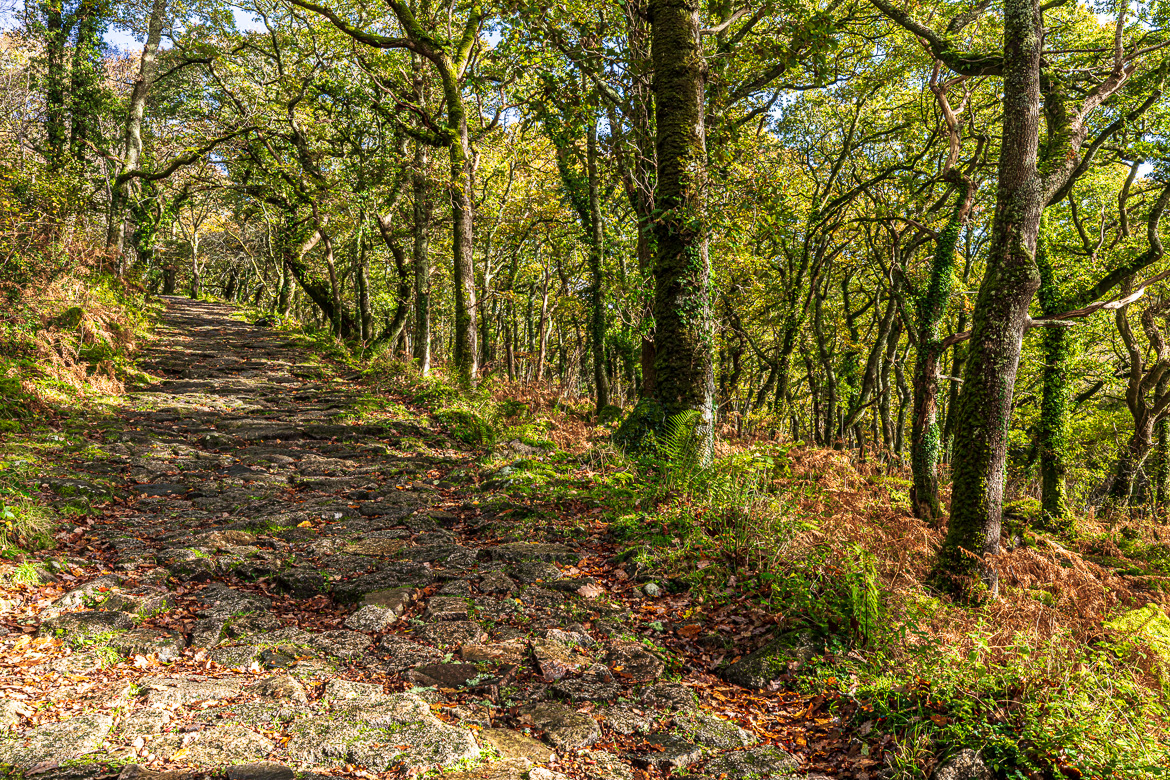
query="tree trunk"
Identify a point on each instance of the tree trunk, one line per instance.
(684, 378)
(86, 75)
(132, 129)
(362, 266)
(931, 308)
(1129, 463)
(195, 275)
(999, 319)
(596, 251)
(395, 326)
(423, 209)
(542, 330)
(1161, 470)
(466, 353)
(1052, 428)
(56, 110)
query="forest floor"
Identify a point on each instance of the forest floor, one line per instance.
(272, 583)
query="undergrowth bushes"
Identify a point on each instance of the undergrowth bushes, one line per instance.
(826, 549)
(484, 419)
(67, 342)
(1035, 680)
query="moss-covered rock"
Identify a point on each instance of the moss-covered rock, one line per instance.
(786, 652)
(639, 430)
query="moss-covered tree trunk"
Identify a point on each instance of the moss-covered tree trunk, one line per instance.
(422, 213)
(86, 79)
(1160, 473)
(1000, 317)
(466, 350)
(684, 379)
(930, 309)
(596, 251)
(1130, 461)
(56, 88)
(132, 128)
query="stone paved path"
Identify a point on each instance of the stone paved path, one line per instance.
(340, 612)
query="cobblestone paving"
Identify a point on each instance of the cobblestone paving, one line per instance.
(255, 509)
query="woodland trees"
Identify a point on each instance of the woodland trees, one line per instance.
(928, 235)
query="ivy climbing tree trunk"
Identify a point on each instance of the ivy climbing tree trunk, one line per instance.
(1025, 187)
(930, 309)
(1057, 348)
(684, 379)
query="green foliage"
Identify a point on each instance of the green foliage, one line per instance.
(674, 455)
(25, 523)
(469, 426)
(24, 573)
(1026, 708)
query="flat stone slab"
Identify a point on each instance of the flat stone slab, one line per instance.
(508, 769)
(595, 684)
(496, 582)
(536, 571)
(447, 608)
(513, 651)
(669, 695)
(626, 720)
(712, 731)
(534, 551)
(281, 687)
(301, 582)
(374, 547)
(265, 770)
(166, 692)
(450, 633)
(396, 575)
(341, 644)
(634, 662)
(87, 624)
(147, 642)
(397, 600)
(402, 654)
(556, 659)
(56, 742)
(512, 744)
(397, 731)
(218, 600)
(223, 745)
(669, 752)
(92, 592)
(371, 619)
(159, 489)
(445, 675)
(765, 761)
(566, 729)
(602, 765)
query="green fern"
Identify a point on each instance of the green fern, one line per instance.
(677, 451)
